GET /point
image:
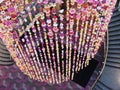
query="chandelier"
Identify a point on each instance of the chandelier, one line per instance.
(50, 40)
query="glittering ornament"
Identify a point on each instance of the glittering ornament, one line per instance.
(50, 42)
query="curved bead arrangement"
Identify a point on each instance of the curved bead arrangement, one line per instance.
(51, 44)
(9, 10)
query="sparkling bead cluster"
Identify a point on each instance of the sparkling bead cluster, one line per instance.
(53, 42)
(9, 10)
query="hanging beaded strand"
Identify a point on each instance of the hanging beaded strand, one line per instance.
(83, 47)
(94, 25)
(50, 35)
(34, 52)
(43, 49)
(29, 52)
(61, 35)
(37, 43)
(79, 46)
(33, 45)
(88, 41)
(34, 60)
(45, 65)
(35, 55)
(56, 30)
(44, 27)
(20, 63)
(104, 16)
(88, 47)
(83, 38)
(30, 61)
(79, 3)
(42, 42)
(72, 15)
(76, 39)
(24, 61)
(67, 39)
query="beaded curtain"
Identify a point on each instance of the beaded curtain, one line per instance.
(50, 40)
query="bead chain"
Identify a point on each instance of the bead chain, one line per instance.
(72, 15)
(93, 24)
(93, 38)
(50, 35)
(56, 30)
(89, 33)
(22, 67)
(48, 50)
(30, 52)
(67, 40)
(45, 66)
(46, 41)
(34, 52)
(79, 46)
(24, 61)
(76, 40)
(61, 35)
(43, 49)
(86, 38)
(84, 49)
(37, 43)
(27, 53)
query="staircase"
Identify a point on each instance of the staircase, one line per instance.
(5, 58)
(110, 79)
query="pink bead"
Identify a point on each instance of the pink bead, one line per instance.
(96, 2)
(104, 1)
(52, 44)
(50, 33)
(45, 2)
(91, 1)
(78, 16)
(72, 11)
(55, 29)
(7, 23)
(83, 18)
(59, 1)
(84, 12)
(71, 32)
(11, 9)
(79, 1)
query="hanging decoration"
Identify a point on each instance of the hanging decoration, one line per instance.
(50, 40)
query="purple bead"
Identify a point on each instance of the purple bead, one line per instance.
(7, 23)
(91, 1)
(11, 9)
(79, 1)
(96, 2)
(104, 1)
(53, 1)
